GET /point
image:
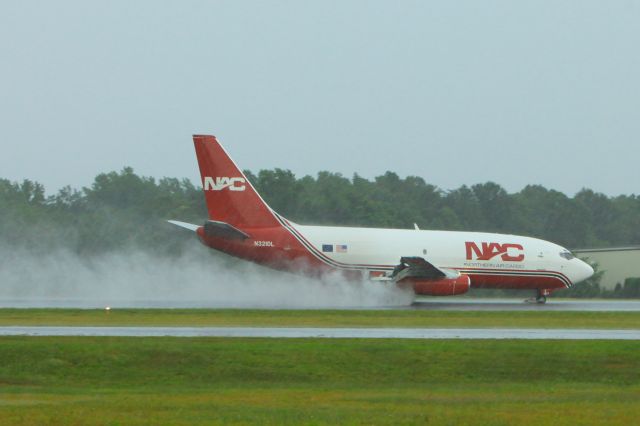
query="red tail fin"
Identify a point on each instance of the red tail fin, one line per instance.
(229, 195)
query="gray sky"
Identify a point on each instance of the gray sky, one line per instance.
(462, 92)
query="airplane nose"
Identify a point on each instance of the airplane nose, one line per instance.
(583, 271)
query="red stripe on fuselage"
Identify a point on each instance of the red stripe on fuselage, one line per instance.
(515, 281)
(285, 254)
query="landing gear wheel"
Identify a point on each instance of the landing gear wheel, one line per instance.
(541, 295)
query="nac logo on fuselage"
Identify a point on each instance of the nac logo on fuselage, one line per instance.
(487, 251)
(220, 183)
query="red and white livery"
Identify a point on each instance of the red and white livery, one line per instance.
(434, 263)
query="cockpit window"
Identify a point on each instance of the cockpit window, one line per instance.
(567, 255)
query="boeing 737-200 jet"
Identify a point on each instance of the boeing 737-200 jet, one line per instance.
(436, 263)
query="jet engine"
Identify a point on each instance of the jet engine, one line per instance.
(429, 280)
(439, 287)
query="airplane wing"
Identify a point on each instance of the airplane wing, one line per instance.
(417, 267)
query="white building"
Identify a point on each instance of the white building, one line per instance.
(618, 264)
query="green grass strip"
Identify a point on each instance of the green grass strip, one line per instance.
(86, 380)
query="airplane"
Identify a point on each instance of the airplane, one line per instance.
(435, 263)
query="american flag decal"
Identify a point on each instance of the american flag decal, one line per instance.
(341, 248)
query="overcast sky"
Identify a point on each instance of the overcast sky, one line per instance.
(517, 92)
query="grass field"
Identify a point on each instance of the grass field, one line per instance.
(84, 380)
(320, 318)
(112, 381)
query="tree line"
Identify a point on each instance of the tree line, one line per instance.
(124, 210)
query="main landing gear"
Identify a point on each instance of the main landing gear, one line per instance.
(541, 296)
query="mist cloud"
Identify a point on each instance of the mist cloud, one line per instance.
(196, 278)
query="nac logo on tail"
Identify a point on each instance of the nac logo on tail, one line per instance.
(220, 183)
(487, 251)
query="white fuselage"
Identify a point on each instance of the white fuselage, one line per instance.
(381, 249)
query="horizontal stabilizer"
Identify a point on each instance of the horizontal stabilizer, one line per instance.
(184, 225)
(213, 228)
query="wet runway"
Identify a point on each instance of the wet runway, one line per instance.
(333, 333)
(481, 304)
(428, 303)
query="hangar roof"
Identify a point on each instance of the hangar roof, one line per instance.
(597, 250)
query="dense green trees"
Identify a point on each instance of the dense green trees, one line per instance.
(586, 220)
(118, 210)
(123, 209)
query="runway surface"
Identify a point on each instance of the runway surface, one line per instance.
(479, 304)
(428, 303)
(334, 333)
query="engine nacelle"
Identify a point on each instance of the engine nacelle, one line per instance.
(439, 287)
